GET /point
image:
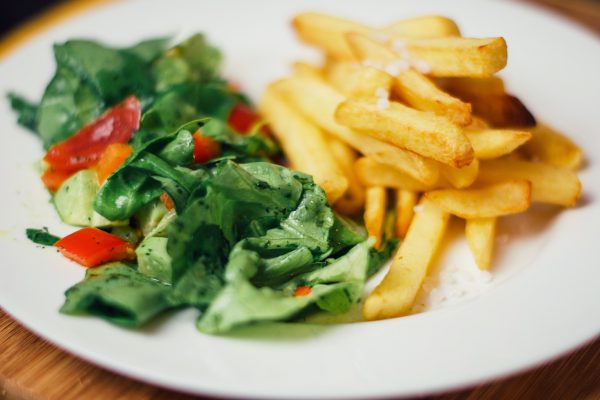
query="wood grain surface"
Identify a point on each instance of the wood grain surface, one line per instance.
(32, 369)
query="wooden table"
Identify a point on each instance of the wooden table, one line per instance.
(31, 368)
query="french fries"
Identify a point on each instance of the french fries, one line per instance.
(414, 107)
(493, 143)
(355, 80)
(395, 295)
(500, 110)
(480, 233)
(552, 147)
(460, 177)
(456, 56)
(411, 86)
(304, 145)
(441, 56)
(487, 85)
(426, 27)
(426, 134)
(550, 184)
(406, 200)
(375, 205)
(353, 199)
(306, 69)
(372, 173)
(318, 102)
(491, 201)
(327, 33)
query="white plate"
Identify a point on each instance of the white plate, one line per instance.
(544, 300)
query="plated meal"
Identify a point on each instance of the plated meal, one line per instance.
(178, 185)
(438, 200)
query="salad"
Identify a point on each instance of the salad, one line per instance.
(169, 175)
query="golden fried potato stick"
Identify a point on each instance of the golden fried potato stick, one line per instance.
(412, 87)
(494, 200)
(306, 69)
(304, 144)
(327, 32)
(481, 234)
(423, 133)
(490, 101)
(550, 184)
(318, 101)
(372, 173)
(425, 27)
(477, 123)
(493, 143)
(460, 177)
(374, 217)
(552, 147)
(353, 79)
(485, 85)
(406, 200)
(500, 110)
(455, 56)
(353, 199)
(395, 295)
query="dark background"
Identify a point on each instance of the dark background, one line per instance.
(14, 12)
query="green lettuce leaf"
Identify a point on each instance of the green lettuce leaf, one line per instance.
(119, 294)
(334, 288)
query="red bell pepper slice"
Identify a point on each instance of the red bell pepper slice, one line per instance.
(91, 247)
(205, 148)
(242, 118)
(167, 201)
(84, 148)
(53, 179)
(302, 291)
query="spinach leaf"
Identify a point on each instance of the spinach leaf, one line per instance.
(67, 104)
(26, 111)
(149, 50)
(89, 78)
(378, 257)
(204, 60)
(154, 168)
(119, 294)
(235, 200)
(41, 236)
(240, 146)
(186, 101)
(113, 73)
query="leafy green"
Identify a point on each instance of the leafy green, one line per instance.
(203, 59)
(41, 236)
(334, 287)
(236, 199)
(378, 258)
(244, 233)
(147, 173)
(119, 294)
(89, 78)
(68, 103)
(176, 86)
(26, 111)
